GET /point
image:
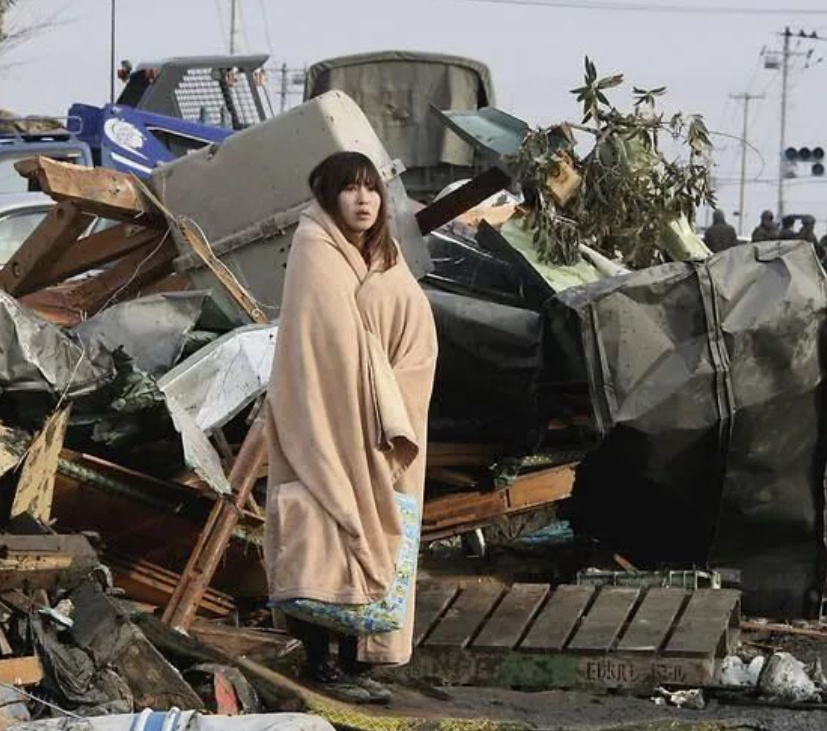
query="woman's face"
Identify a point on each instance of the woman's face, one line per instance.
(359, 207)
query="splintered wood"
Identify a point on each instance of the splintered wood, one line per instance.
(139, 251)
(533, 637)
(36, 485)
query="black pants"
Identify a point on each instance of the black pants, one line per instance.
(316, 642)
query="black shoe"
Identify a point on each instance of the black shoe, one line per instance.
(331, 681)
(378, 692)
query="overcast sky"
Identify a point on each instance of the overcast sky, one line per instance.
(535, 55)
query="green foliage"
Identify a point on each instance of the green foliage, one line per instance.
(630, 189)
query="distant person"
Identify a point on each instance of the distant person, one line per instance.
(807, 232)
(787, 231)
(767, 230)
(720, 235)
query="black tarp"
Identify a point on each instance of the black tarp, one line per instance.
(705, 381)
(488, 372)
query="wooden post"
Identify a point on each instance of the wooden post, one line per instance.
(213, 541)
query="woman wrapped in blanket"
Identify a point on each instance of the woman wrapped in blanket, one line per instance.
(346, 421)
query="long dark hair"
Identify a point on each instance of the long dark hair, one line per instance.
(335, 173)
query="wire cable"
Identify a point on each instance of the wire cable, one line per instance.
(632, 7)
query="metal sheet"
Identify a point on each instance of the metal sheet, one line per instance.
(39, 356)
(151, 330)
(489, 129)
(199, 454)
(215, 383)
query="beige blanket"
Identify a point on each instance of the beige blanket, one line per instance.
(346, 425)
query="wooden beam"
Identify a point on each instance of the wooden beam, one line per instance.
(125, 279)
(88, 253)
(448, 454)
(21, 671)
(43, 561)
(464, 511)
(462, 199)
(98, 191)
(213, 540)
(148, 582)
(52, 237)
(202, 249)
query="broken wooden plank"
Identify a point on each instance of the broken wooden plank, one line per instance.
(217, 531)
(89, 253)
(449, 454)
(558, 619)
(464, 617)
(56, 233)
(103, 630)
(474, 192)
(125, 279)
(652, 621)
(36, 485)
(21, 671)
(99, 191)
(431, 601)
(193, 238)
(511, 617)
(604, 620)
(153, 584)
(544, 486)
(703, 629)
(461, 512)
(43, 561)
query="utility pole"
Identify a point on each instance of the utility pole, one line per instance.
(746, 98)
(785, 76)
(112, 56)
(233, 26)
(283, 89)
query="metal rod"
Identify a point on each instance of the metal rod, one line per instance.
(785, 74)
(233, 25)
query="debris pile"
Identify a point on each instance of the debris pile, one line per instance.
(677, 405)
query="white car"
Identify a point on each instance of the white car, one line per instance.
(20, 214)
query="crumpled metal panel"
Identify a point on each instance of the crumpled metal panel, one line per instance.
(215, 383)
(199, 453)
(36, 355)
(151, 330)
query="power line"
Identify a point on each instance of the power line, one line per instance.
(266, 22)
(650, 8)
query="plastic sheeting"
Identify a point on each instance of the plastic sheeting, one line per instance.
(706, 381)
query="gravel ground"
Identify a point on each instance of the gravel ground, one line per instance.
(574, 711)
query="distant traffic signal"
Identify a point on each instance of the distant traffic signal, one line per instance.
(812, 155)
